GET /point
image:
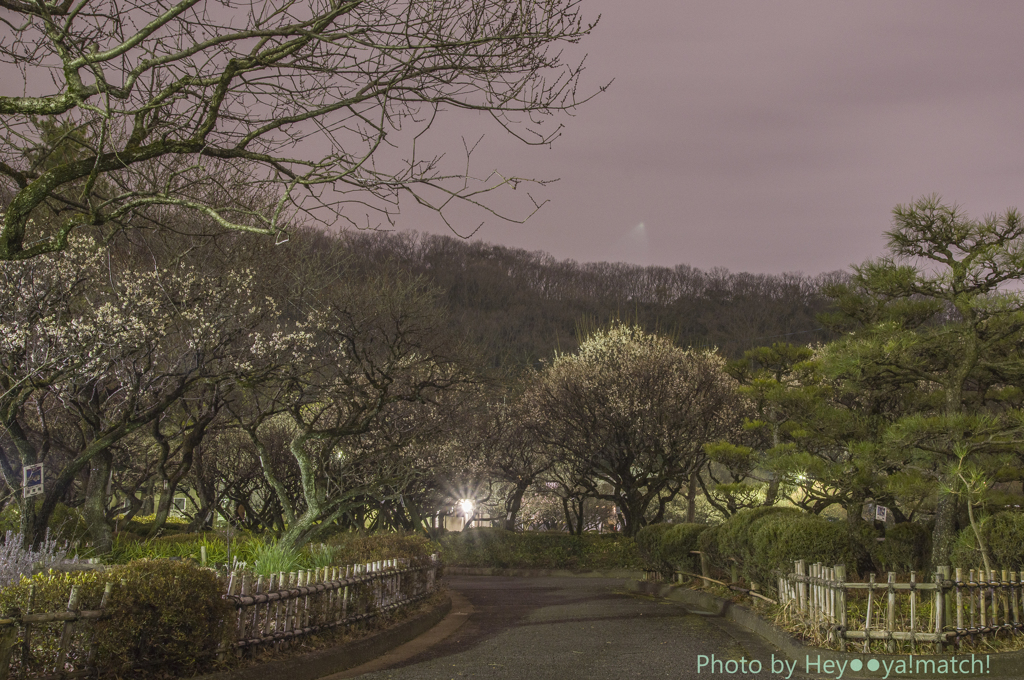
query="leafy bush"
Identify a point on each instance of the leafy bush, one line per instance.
(648, 544)
(779, 539)
(906, 547)
(666, 547)
(1003, 534)
(678, 542)
(539, 550)
(167, 613)
(355, 548)
(735, 534)
(163, 614)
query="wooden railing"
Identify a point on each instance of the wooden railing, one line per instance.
(74, 655)
(282, 607)
(268, 610)
(938, 611)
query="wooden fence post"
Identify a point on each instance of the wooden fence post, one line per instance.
(940, 600)
(841, 603)
(913, 612)
(705, 570)
(7, 639)
(801, 586)
(947, 607)
(870, 613)
(890, 613)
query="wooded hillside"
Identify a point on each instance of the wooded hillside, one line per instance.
(521, 306)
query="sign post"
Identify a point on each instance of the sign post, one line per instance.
(32, 479)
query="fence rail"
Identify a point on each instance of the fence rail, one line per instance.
(75, 654)
(940, 611)
(951, 607)
(268, 610)
(284, 606)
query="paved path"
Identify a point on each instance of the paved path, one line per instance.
(568, 629)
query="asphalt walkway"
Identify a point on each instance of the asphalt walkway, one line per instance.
(567, 629)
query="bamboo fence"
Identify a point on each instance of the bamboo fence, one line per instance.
(282, 607)
(75, 652)
(946, 609)
(272, 610)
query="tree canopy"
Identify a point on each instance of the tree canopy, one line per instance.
(129, 107)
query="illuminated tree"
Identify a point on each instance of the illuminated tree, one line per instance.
(633, 411)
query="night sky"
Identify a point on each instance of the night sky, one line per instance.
(765, 136)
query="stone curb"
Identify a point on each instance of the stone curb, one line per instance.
(541, 573)
(1003, 665)
(336, 659)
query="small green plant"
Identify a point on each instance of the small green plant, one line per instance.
(272, 558)
(319, 556)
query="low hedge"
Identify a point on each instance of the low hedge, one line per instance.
(666, 547)
(493, 547)
(907, 547)
(759, 542)
(1003, 534)
(781, 539)
(163, 614)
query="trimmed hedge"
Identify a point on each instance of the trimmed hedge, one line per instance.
(906, 548)
(494, 547)
(166, 615)
(779, 540)
(1003, 534)
(666, 547)
(760, 542)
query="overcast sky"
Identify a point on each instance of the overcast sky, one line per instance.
(767, 135)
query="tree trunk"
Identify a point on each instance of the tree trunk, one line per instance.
(691, 498)
(945, 529)
(95, 507)
(512, 506)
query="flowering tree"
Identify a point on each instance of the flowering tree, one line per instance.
(632, 410)
(371, 358)
(95, 349)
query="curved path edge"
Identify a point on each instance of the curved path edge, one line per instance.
(1004, 665)
(347, 660)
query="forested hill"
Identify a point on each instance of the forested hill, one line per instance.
(522, 306)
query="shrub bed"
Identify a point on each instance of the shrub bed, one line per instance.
(759, 543)
(162, 614)
(906, 548)
(666, 547)
(1003, 534)
(503, 549)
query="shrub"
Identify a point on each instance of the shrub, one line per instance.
(165, 613)
(676, 544)
(487, 547)
(355, 548)
(649, 545)
(906, 548)
(1003, 534)
(666, 547)
(778, 540)
(162, 614)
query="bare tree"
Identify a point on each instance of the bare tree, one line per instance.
(149, 102)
